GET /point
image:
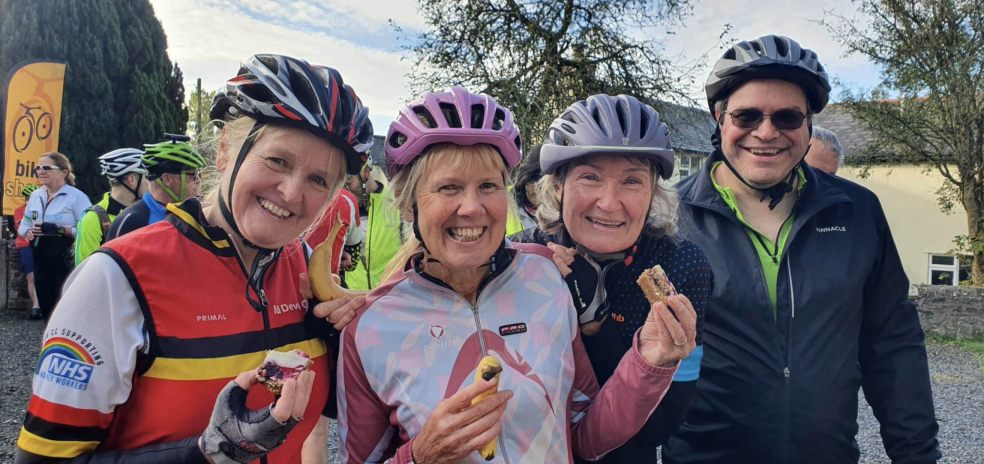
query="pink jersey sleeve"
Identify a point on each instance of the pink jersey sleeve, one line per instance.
(602, 420)
(367, 434)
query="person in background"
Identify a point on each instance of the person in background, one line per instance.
(49, 226)
(825, 151)
(524, 191)
(125, 171)
(173, 169)
(25, 253)
(384, 231)
(345, 207)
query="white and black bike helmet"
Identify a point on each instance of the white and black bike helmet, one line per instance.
(121, 162)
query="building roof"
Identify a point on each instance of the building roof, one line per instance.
(855, 137)
(376, 155)
(852, 135)
(690, 128)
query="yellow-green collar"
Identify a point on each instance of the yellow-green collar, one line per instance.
(728, 195)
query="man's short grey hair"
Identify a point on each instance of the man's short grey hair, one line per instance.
(830, 138)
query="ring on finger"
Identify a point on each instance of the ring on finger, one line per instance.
(684, 342)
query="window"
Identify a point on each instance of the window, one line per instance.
(948, 269)
(688, 163)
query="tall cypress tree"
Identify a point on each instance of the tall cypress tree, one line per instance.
(120, 87)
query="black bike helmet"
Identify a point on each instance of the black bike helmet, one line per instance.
(769, 57)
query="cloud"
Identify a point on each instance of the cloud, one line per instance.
(754, 18)
(209, 38)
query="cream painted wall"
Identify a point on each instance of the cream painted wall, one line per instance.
(908, 196)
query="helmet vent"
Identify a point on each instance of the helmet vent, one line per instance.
(397, 140)
(450, 114)
(477, 116)
(623, 118)
(781, 48)
(568, 128)
(643, 123)
(256, 92)
(425, 117)
(598, 122)
(499, 119)
(268, 61)
(518, 143)
(302, 90)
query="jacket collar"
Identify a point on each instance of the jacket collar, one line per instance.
(189, 219)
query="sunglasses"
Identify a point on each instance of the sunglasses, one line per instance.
(752, 118)
(45, 167)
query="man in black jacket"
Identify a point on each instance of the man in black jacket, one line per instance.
(810, 301)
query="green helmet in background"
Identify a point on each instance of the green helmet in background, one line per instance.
(29, 189)
(172, 156)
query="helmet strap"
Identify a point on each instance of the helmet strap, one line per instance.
(136, 196)
(174, 197)
(224, 203)
(416, 230)
(774, 193)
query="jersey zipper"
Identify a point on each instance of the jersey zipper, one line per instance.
(485, 352)
(478, 327)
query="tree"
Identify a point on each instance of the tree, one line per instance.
(208, 130)
(120, 86)
(539, 56)
(932, 56)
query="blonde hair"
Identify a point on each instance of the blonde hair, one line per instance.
(661, 219)
(405, 182)
(62, 161)
(226, 143)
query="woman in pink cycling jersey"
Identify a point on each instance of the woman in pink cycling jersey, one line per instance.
(459, 291)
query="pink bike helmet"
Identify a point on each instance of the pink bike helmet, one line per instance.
(454, 116)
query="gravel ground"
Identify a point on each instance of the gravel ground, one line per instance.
(958, 387)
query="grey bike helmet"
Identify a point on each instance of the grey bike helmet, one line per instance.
(769, 57)
(121, 162)
(603, 124)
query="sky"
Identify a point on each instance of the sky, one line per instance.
(208, 39)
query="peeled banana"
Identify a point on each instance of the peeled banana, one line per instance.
(319, 269)
(488, 369)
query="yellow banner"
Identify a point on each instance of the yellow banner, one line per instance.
(31, 121)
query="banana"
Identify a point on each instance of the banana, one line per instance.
(319, 269)
(488, 369)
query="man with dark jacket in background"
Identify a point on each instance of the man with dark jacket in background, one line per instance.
(810, 301)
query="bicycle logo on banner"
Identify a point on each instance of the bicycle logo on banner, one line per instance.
(28, 126)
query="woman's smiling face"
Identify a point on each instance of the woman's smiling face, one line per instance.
(606, 201)
(286, 180)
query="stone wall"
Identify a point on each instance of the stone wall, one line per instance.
(950, 311)
(13, 287)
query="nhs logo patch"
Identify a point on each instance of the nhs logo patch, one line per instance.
(65, 363)
(66, 371)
